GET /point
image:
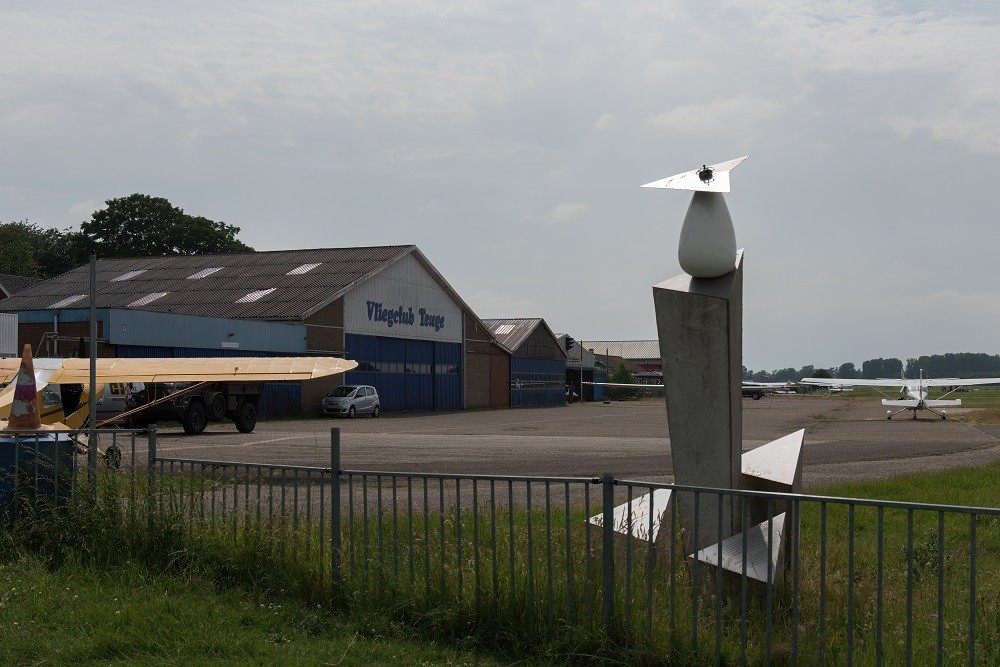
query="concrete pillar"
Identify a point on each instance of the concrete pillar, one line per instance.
(700, 326)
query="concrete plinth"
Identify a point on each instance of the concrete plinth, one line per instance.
(700, 327)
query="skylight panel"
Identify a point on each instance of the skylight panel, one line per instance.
(68, 300)
(126, 276)
(305, 268)
(149, 298)
(255, 296)
(504, 329)
(204, 273)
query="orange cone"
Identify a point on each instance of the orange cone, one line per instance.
(24, 408)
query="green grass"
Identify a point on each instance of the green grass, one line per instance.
(199, 583)
(83, 614)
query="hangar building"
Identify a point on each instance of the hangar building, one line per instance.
(386, 307)
(537, 361)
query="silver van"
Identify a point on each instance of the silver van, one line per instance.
(350, 400)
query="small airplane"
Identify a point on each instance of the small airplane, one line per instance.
(62, 384)
(913, 393)
(754, 390)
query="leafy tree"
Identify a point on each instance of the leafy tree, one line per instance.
(140, 225)
(822, 373)
(622, 375)
(18, 256)
(847, 371)
(881, 368)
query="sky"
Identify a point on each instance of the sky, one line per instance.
(507, 140)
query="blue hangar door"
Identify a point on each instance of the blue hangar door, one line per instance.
(410, 375)
(537, 382)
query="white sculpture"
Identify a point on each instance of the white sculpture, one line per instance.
(707, 247)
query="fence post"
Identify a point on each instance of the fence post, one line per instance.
(335, 507)
(608, 547)
(151, 466)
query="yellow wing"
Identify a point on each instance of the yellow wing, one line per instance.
(191, 369)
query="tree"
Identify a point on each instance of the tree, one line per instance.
(847, 371)
(140, 225)
(622, 375)
(822, 373)
(18, 256)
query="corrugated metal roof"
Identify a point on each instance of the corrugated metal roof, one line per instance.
(295, 293)
(511, 333)
(626, 349)
(10, 285)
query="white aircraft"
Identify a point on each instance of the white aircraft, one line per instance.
(913, 393)
(754, 390)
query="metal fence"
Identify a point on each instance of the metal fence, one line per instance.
(855, 581)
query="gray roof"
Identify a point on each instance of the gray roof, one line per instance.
(626, 349)
(512, 332)
(10, 285)
(284, 284)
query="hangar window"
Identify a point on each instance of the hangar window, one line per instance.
(126, 276)
(68, 300)
(204, 273)
(256, 296)
(305, 268)
(149, 298)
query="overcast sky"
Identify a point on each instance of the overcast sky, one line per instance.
(508, 139)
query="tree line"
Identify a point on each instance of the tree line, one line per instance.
(135, 226)
(953, 364)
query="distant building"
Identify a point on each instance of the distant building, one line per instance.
(386, 307)
(537, 361)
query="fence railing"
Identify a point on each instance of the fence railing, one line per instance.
(855, 581)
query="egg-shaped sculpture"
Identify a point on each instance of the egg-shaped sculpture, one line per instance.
(707, 247)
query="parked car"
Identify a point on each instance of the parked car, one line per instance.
(350, 400)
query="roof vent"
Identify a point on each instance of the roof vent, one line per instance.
(68, 300)
(126, 276)
(204, 273)
(149, 298)
(305, 268)
(255, 296)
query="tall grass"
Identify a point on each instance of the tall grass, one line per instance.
(524, 573)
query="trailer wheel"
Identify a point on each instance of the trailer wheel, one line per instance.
(216, 403)
(194, 418)
(246, 417)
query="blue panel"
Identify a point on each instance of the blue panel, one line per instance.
(140, 351)
(537, 382)
(280, 399)
(410, 375)
(448, 392)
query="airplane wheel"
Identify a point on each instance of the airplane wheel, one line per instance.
(246, 417)
(195, 418)
(888, 415)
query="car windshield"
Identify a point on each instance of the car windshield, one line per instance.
(346, 390)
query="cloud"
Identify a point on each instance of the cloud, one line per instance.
(489, 304)
(85, 208)
(605, 122)
(567, 211)
(721, 114)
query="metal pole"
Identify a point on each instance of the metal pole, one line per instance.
(608, 547)
(93, 443)
(335, 508)
(151, 466)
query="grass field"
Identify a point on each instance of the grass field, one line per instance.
(86, 588)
